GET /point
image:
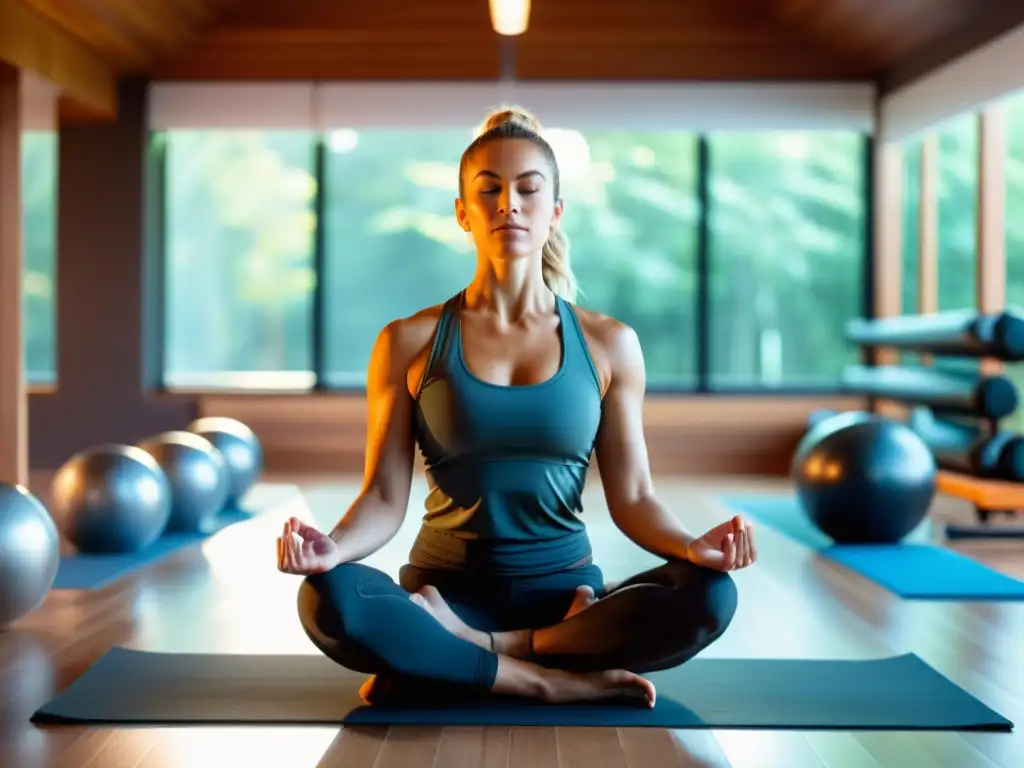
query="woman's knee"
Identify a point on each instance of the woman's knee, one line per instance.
(721, 598)
(327, 606)
(706, 594)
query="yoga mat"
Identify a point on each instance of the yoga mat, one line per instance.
(912, 570)
(93, 571)
(899, 693)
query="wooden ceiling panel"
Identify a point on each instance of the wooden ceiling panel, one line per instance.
(335, 54)
(669, 40)
(567, 39)
(453, 39)
(880, 34)
(380, 15)
(36, 44)
(696, 17)
(387, 39)
(131, 35)
(668, 58)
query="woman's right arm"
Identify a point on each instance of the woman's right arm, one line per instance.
(379, 510)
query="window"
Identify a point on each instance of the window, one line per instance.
(958, 212)
(392, 245)
(39, 159)
(911, 226)
(1015, 202)
(787, 256)
(391, 242)
(632, 217)
(786, 224)
(239, 240)
(1014, 170)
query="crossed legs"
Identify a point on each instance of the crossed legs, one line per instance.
(655, 620)
(363, 620)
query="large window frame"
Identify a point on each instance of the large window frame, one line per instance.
(692, 109)
(702, 383)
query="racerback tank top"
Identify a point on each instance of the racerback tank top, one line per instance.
(506, 465)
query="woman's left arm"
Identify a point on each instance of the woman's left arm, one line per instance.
(622, 458)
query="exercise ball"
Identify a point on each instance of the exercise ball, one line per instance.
(863, 479)
(824, 422)
(241, 449)
(29, 552)
(111, 499)
(197, 474)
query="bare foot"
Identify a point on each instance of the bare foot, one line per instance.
(583, 600)
(524, 678)
(430, 600)
(564, 687)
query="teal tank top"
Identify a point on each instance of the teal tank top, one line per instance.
(506, 465)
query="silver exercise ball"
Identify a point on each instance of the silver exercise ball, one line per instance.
(241, 448)
(111, 499)
(29, 552)
(198, 476)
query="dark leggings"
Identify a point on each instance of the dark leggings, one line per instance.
(359, 617)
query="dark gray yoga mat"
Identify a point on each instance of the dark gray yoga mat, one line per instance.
(899, 693)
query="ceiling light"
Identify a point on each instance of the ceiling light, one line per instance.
(510, 17)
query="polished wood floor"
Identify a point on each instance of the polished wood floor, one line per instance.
(227, 596)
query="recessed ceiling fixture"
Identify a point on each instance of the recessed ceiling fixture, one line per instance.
(510, 17)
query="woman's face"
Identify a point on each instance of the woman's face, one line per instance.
(509, 204)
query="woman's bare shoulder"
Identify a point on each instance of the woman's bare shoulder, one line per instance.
(613, 345)
(611, 336)
(415, 329)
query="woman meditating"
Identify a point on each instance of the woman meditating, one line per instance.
(508, 389)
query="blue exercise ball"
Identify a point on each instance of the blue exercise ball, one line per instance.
(241, 449)
(29, 552)
(864, 479)
(198, 477)
(111, 499)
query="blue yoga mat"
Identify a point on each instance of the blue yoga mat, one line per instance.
(78, 571)
(143, 688)
(913, 569)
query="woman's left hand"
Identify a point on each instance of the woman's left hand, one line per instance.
(726, 547)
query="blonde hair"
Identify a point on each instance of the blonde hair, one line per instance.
(518, 123)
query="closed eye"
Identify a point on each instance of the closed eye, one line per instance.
(521, 191)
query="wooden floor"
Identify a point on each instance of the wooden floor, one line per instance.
(228, 597)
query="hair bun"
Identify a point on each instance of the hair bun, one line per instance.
(514, 115)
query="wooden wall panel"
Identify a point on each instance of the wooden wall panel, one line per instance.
(721, 435)
(990, 280)
(13, 397)
(887, 195)
(991, 235)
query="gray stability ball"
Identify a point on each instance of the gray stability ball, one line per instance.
(241, 448)
(29, 553)
(111, 499)
(198, 476)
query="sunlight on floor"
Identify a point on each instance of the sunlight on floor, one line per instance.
(198, 747)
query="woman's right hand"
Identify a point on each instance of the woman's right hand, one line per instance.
(304, 550)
